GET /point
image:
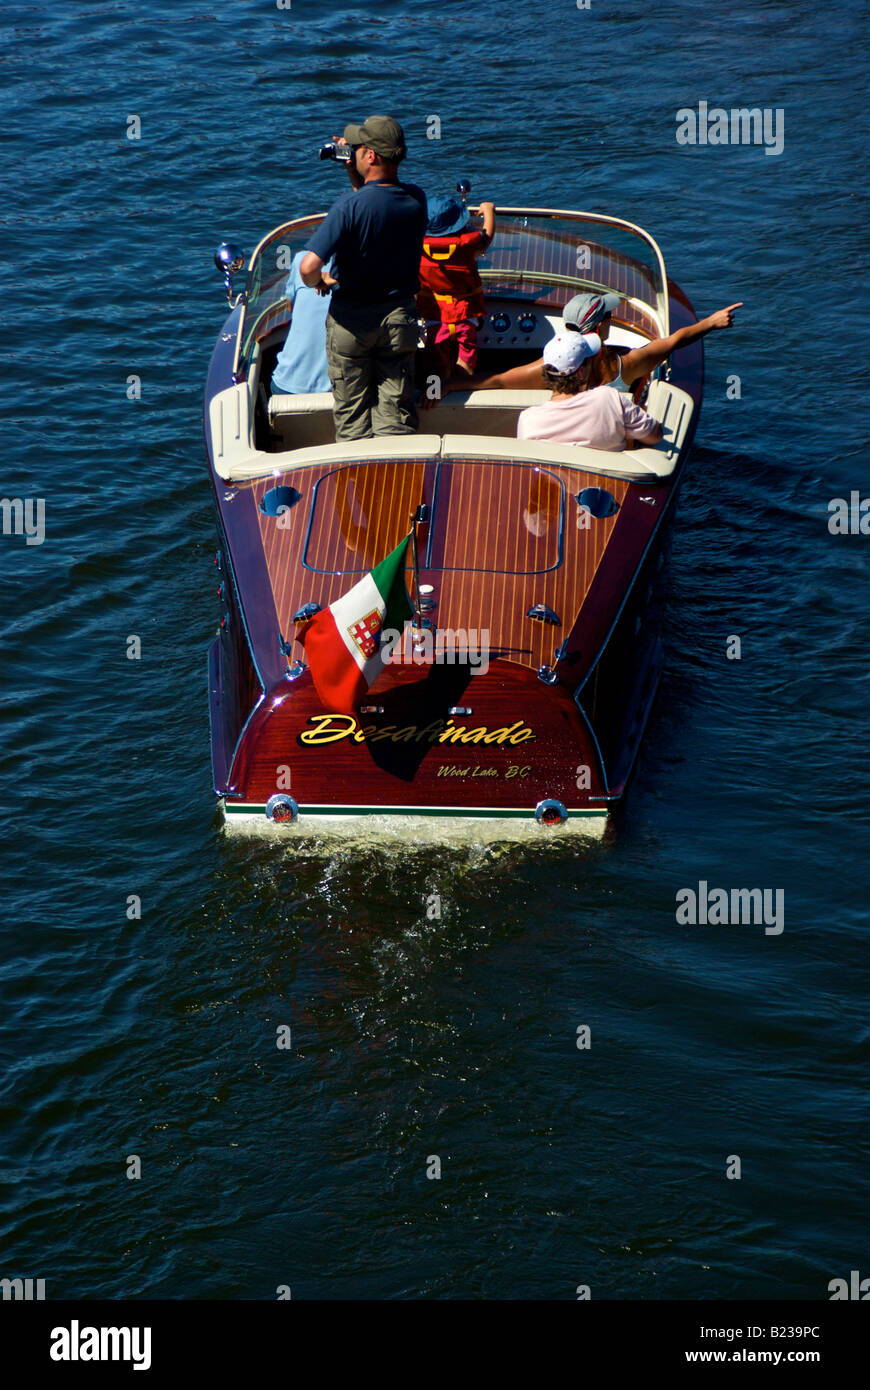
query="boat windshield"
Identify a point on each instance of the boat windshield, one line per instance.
(565, 252)
(265, 299)
(536, 251)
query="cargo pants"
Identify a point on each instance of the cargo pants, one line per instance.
(370, 352)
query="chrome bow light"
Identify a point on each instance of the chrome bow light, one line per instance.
(229, 258)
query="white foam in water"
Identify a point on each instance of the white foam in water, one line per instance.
(416, 830)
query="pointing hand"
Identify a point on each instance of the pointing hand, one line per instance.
(724, 317)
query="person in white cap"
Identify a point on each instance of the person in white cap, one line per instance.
(600, 418)
(587, 313)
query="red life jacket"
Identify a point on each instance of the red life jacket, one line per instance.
(450, 286)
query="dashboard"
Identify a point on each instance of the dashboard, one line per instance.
(516, 324)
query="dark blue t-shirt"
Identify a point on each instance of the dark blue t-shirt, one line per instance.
(376, 235)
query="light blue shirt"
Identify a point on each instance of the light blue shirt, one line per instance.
(301, 365)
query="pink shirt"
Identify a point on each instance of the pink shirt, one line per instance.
(601, 419)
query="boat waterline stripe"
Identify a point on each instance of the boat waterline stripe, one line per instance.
(478, 812)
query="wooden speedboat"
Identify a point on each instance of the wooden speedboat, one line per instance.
(551, 550)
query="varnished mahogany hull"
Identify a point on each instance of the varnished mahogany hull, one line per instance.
(574, 741)
(522, 743)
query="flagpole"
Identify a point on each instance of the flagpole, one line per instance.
(417, 517)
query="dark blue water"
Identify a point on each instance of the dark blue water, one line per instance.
(413, 1037)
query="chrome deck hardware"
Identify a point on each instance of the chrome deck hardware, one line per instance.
(543, 614)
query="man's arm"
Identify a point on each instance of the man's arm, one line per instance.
(353, 173)
(313, 275)
(321, 247)
(311, 270)
(642, 360)
(528, 377)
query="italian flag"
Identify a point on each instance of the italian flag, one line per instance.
(342, 642)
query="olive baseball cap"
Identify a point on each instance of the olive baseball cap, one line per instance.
(381, 134)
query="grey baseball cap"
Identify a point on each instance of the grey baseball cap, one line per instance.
(381, 134)
(585, 311)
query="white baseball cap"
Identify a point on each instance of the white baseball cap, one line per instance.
(567, 351)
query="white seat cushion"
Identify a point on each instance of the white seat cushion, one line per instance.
(301, 404)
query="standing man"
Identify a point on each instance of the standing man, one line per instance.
(375, 232)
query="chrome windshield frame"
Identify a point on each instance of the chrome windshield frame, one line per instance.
(659, 309)
(251, 291)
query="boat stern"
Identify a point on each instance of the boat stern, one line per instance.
(500, 754)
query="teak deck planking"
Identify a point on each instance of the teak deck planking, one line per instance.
(349, 518)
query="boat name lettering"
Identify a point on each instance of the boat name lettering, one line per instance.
(331, 728)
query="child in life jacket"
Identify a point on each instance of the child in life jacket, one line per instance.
(451, 294)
